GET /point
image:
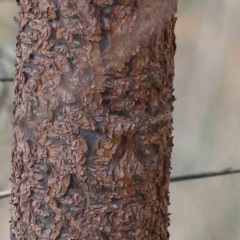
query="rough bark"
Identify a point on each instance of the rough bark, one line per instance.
(93, 119)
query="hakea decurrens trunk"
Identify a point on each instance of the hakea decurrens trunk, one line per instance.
(93, 119)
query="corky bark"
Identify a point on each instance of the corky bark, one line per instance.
(93, 119)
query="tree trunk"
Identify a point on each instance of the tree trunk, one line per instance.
(93, 119)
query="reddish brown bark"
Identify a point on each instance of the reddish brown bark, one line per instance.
(93, 119)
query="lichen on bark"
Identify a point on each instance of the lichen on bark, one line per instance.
(93, 119)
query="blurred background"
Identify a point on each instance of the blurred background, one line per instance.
(206, 118)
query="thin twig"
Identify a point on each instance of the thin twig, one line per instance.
(6, 79)
(16, 19)
(228, 171)
(204, 175)
(5, 194)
